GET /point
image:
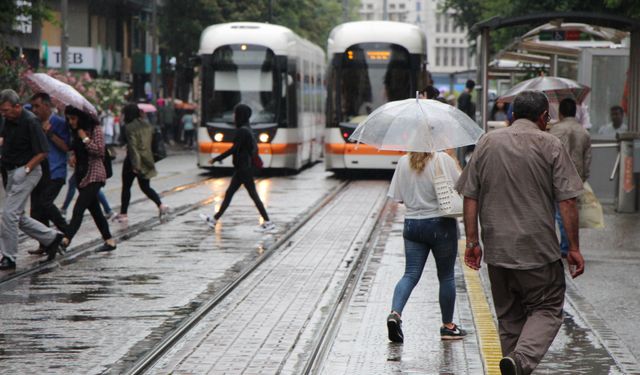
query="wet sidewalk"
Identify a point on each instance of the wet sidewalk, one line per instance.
(361, 345)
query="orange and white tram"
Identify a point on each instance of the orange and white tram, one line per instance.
(279, 75)
(370, 63)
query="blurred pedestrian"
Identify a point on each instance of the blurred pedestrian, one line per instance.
(513, 182)
(498, 112)
(465, 100)
(425, 230)
(577, 141)
(138, 164)
(617, 124)
(24, 148)
(168, 118)
(108, 126)
(243, 150)
(88, 149)
(189, 129)
(54, 167)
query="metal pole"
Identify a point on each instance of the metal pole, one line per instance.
(345, 10)
(633, 113)
(385, 15)
(64, 38)
(484, 79)
(553, 65)
(154, 51)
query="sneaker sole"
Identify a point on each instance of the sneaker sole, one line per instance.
(394, 335)
(508, 366)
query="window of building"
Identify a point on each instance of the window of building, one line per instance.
(438, 56)
(392, 6)
(461, 41)
(402, 17)
(461, 54)
(438, 24)
(437, 40)
(445, 57)
(369, 6)
(453, 40)
(446, 23)
(446, 41)
(453, 56)
(401, 6)
(418, 6)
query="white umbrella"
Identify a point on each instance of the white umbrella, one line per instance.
(61, 93)
(418, 125)
(556, 89)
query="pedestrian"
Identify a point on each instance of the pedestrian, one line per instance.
(617, 124)
(425, 231)
(108, 126)
(72, 186)
(168, 118)
(24, 148)
(138, 164)
(189, 129)
(465, 101)
(498, 112)
(514, 180)
(243, 150)
(577, 141)
(88, 149)
(54, 167)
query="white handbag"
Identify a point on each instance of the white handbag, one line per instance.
(449, 201)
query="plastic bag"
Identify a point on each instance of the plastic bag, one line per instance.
(590, 209)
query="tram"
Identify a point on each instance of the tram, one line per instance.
(279, 75)
(371, 63)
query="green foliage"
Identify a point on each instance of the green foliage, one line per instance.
(11, 72)
(470, 12)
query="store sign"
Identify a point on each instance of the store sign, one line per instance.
(83, 58)
(563, 35)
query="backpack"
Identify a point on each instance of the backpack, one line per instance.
(157, 145)
(109, 156)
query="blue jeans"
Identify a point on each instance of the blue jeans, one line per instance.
(71, 191)
(564, 239)
(421, 236)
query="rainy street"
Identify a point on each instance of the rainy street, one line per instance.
(179, 297)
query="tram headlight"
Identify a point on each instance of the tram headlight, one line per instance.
(218, 137)
(263, 137)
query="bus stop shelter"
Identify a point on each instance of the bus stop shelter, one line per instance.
(628, 163)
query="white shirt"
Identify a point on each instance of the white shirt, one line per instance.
(610, 130)
(416, 190)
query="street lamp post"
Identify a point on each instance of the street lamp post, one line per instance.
(154, 52)
(64, 38)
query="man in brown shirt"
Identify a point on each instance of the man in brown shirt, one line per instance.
(513, 182)
(577, 142)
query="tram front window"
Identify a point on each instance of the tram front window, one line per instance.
(241, 74)
(372, 75)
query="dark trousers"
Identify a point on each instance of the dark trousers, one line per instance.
(528, 305)
(43, 208)
(242, 177)
(127, 181)
(88, 199)
(189, 137)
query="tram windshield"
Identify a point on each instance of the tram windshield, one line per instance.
(371, 75)
(241, 74)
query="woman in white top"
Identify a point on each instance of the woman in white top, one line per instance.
(425, 230)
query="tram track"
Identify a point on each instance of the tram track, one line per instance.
(85, 248)
(155, 353)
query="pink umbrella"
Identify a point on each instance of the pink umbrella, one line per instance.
(146, 107)
(61, 93)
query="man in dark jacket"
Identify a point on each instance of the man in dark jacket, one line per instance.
(465, 102)
(24, 148)
(244, 149)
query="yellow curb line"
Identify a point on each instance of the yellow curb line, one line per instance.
(486, 329)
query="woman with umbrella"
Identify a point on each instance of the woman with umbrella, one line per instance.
(423, 128)
(88, 149)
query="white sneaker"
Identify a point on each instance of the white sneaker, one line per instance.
(266, 227)
(209, 220)
(163, 210)
(120, 218)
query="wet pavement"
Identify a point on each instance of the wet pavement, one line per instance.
(84, 317)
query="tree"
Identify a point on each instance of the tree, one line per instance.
(470, 12)
(13, 13)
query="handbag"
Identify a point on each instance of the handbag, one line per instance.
(589, 209)
(157, 145)
(449, 201)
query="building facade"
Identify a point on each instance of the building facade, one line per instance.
(448, 52)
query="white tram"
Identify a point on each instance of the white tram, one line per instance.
(279, 75)
(370, 63)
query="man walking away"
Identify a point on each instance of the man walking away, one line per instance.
(577, 141)
(465, 102)
(25, 147)
(54, 167)
(516, 177)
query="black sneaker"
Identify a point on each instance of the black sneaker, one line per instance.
(53, 248)
(455, 333)
(509, 366)
(394, 325)
(7, 264)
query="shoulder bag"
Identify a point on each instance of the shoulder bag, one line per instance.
(449, 201)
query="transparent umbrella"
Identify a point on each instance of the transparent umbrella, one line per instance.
(61, 93)
(418, 125)
(556, 88)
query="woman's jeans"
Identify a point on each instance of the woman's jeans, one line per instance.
(71, 191)
(421, 236)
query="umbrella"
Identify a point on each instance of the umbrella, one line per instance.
(61, 93)
(556, 89)
(146, 107)
(418, 125)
